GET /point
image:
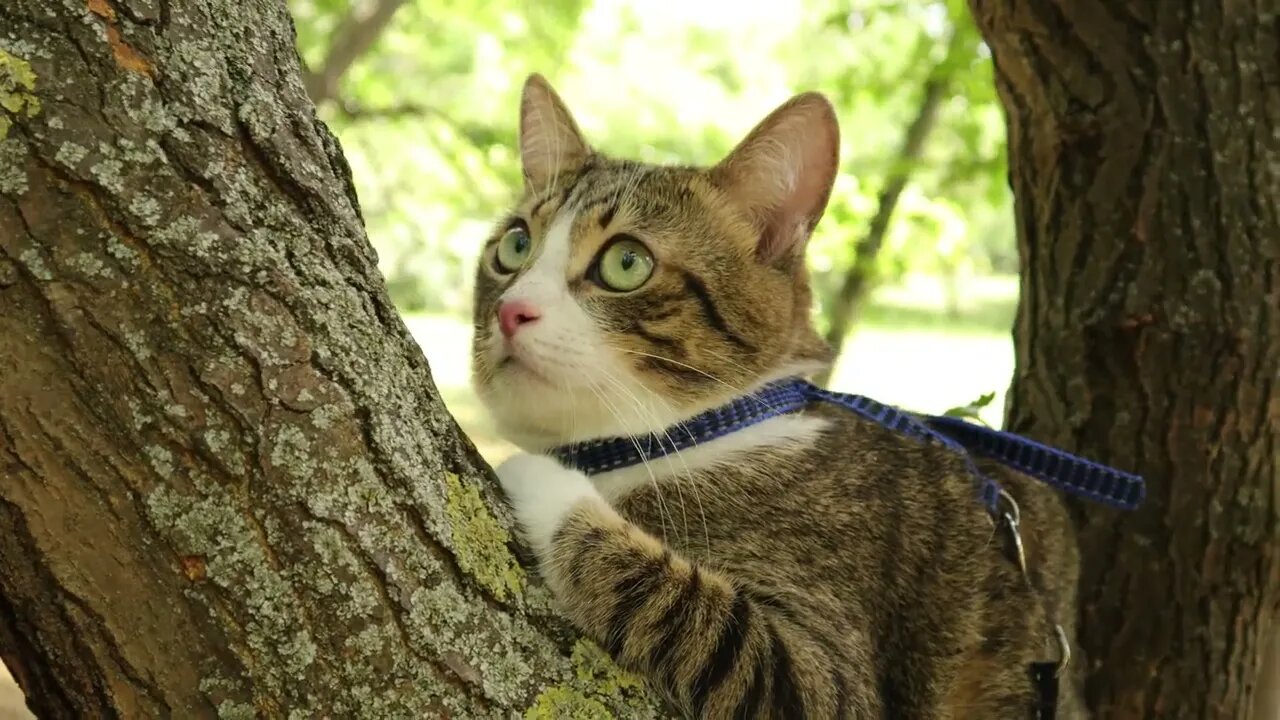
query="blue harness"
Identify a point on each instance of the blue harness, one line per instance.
(1064, 471)
(1061, 470)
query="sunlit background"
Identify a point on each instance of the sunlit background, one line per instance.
(423, 95)
(426, 112)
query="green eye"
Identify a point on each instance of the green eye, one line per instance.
(514, 249)
(625, 265)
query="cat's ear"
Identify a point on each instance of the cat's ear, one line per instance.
(550, 142)
(782, 173)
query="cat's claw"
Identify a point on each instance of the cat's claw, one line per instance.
(542, 492)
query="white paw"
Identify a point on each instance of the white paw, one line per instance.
(542, 492)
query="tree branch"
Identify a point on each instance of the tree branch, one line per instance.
(357, 32)
(353, 110)
(478, 136)
(857, 279)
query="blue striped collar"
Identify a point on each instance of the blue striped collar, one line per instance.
(1061, 470)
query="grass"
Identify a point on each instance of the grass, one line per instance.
(907, 351)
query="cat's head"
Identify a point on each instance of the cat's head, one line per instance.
(617, 298)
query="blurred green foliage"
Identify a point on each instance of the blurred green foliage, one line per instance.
(427, 117)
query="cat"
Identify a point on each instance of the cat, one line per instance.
(813, 565)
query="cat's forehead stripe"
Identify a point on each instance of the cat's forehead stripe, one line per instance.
(598, 191)
(558, 244)
(577, 215)
(603, 184)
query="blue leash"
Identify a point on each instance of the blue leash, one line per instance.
(1059, 469)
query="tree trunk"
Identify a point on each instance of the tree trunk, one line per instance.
(227, 484)
(1145, 161)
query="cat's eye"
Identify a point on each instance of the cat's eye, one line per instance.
(625, 265)
(514, 249)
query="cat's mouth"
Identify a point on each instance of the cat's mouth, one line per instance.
(511, 362)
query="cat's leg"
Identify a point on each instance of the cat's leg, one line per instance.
(713, 648)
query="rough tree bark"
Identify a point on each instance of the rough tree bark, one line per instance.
(227, 484)
(1145, 161)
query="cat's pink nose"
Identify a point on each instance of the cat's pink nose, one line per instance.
(515, 313)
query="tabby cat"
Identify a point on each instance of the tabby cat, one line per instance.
(813, 565)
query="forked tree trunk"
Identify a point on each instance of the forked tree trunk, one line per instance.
(1145, 162)
(227, 484)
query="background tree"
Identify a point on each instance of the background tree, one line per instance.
(1145, 161)
(227, 484)
(861, 272)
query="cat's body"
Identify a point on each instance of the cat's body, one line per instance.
(813, 565)
(864, 549)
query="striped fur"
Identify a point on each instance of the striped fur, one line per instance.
(811, 567)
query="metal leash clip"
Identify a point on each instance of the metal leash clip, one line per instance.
(1064, 649)
(1012, 516)
(1012, 519)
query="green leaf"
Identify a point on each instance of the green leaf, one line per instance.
(972, 411)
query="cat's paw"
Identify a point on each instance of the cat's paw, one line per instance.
(542, 492)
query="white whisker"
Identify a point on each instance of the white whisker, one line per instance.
(649, 418)
(653, 478)
(688, 473)
(700, 371)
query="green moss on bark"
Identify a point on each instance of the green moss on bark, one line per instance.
(599, 689)
(480, 541)
(560, 703)
(17, 91)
